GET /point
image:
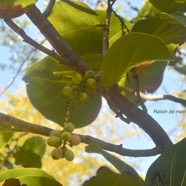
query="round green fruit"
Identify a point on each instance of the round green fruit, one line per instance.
(69, 127)
(66, 136)
(69, 155)
(54, 141)
(82, 96)
(97, 77)
(57, 153)
(55, 133)
(91, 84)
(75, 140)
(77, 78)
(89, 74)
(67, 90)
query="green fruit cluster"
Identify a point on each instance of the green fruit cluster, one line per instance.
(79, 88)
(60, 139)
(80, 85)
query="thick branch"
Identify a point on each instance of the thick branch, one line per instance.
(20, 125)
(55, 39)
(141, 118)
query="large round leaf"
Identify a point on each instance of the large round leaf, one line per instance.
(29, 177)
(170, 28)
(169, 168)
(45, 92)
(79, 25)
(31, 153)
(170, 5)
(129, 51)
(106, 177)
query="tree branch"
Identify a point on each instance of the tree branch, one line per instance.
(154, 97)
(137, 83)
(55, 39)
(49, 8)
(105, 41)
(19, 125)
(141, 118)
(29, 40)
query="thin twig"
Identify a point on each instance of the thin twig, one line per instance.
(154, 97)
(23, 126)
(105, 39)
(49, 8)
(29, 40)
(137, 83)
(122, 22)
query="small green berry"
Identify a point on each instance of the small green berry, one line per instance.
(54, 141)
(67, 90)
(89, 74)
(97, 77)
(69, 155)
(69, 127)
(66, 136)
(77, 78)
(57, 153)
(55, 133)
(82, 96)
(91, 84)
(75, 140)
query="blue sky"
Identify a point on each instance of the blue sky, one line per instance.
(168, 121)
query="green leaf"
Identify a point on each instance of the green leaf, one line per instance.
(5, 135)
(30, 154)
(120, 165)
(93, 60)
(27, 158)
(93, 148)
(170, 5)
(35, 144)
(169, 168)
(45, 93)
(106, 177)
(147, 10)
(29, 177)
(128, 52)
(79, 25)
(169, 27)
